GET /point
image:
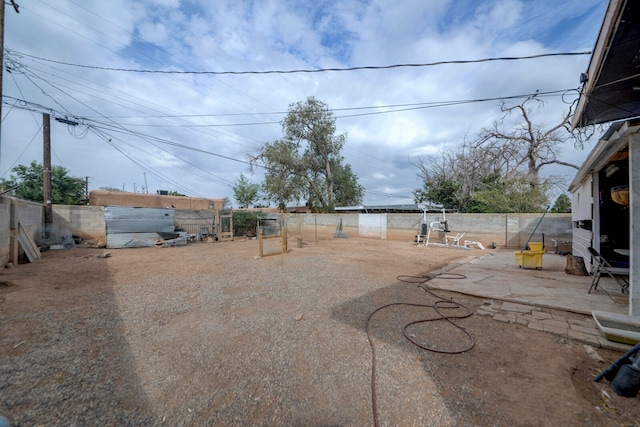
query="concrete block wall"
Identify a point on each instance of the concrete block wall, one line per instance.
(14, 212)
(506, 230)
(28, 214)
(322, 225)
(84, 221)
(5, 233)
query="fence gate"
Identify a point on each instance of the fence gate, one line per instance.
(225, 227)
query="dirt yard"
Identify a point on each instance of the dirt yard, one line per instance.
(207, 334)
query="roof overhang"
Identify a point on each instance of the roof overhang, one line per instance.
(612, 87)
(615, 140)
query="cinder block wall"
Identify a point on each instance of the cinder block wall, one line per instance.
(5, 233)
(84, 221)
(506, 230)
(324, 225)
(15, 212)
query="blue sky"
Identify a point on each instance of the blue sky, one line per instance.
(135, 126)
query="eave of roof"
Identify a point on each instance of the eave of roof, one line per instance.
(612, 89)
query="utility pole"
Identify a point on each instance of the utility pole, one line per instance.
(1, 65)
(15, 7)
(46, 142)
(146, 186)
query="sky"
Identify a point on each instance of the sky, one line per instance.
(194, 132)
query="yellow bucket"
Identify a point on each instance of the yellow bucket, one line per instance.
(529, 259)
(536, 246)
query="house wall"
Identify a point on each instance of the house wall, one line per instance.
(634, 246)
(582, 217)
(582, 201)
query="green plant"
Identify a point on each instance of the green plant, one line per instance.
(245, 222)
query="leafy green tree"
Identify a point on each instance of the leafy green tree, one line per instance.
(562, 204)
(512, 195)
(306, 161)
(348, 191)
(451, 179)
(282, 183)
(440, 190)
(175, 193)
(245, 192)
(29, 184)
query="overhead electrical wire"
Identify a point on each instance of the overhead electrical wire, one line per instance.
(92, 109)
(431, 103)
(407, 107)
(26, 147)
(393, 109)
(65, 115)
(316, 70)
(16, 67)
(389, 109)
(120, 128)
(149, 57)
(218, 180)
(142, 165)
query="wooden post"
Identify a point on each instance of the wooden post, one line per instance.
(260, 241)
(283, 232)
(46, 137)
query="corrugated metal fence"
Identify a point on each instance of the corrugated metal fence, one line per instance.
(129, 227)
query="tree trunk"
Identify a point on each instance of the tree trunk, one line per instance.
(575, 266)
(330, 197)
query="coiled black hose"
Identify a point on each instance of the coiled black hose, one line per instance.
(439, 305)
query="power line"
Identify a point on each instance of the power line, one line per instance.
(394, 109)
(120, 128)
(18, 68)
(317, 70)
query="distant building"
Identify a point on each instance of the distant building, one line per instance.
(118, 198)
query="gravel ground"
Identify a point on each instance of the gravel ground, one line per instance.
(209, 335)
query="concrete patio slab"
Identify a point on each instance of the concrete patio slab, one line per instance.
(516, 295)
(495, 274)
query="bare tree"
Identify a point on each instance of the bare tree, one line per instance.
(527, 146)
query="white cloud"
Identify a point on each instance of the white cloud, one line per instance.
(271, 34)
